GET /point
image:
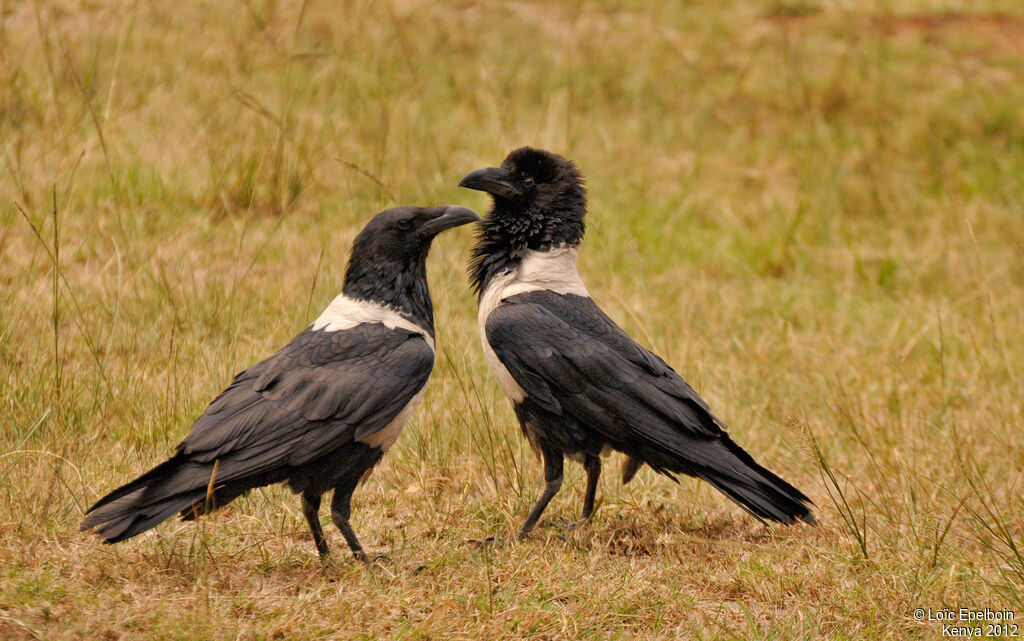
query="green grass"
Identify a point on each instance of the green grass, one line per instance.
(814, 211)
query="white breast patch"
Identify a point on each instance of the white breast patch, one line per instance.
(345, 313)
(553, 270)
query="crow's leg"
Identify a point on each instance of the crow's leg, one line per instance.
(311, 508)
(552, 483)
(592, 464)
(341, 510)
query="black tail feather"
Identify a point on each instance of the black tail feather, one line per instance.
(152, 477)
(173, 486)
(726, 466)
(756, 489)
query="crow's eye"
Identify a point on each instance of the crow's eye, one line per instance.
(528, 181)
(405, 225)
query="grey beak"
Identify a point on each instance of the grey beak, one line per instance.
(493, 180)
(448, 216)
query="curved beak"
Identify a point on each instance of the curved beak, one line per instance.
(446, 217)
(493, 180)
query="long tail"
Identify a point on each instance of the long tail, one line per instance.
(732, 471)
(177, 485)
(755, 489)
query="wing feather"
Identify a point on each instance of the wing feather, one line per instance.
(309, 398)
(562, 347)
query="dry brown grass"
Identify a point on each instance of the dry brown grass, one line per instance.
(812, 210)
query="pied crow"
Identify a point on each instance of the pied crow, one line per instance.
(579, 384)
(321, 412)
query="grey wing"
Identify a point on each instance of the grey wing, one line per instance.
(322, 390)
(573, 360)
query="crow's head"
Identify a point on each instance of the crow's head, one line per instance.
(539, 199)
(405, 233)
(389, 257)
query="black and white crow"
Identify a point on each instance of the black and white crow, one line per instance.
(321, 412)
(580, 385)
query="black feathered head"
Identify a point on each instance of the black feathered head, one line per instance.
(388, 263)
(539, 203)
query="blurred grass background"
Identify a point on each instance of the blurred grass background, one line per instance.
(813, 210)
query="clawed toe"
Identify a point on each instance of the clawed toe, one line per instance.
(380, 559)
(562, 524)
(482, 543)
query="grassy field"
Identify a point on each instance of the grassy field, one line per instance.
(813, 210)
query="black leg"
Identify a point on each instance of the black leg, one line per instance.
(552, 483)
(593, 466)
(311, 508)
(341, 509)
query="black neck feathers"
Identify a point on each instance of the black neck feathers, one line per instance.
(398, 282)
(546, 212)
